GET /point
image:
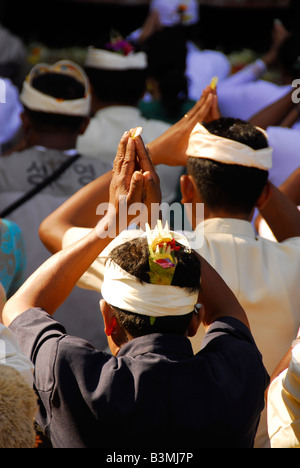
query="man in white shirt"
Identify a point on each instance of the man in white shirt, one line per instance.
(118, 82)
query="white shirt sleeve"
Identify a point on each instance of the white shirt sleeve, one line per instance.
(284, 406)
(11, 355)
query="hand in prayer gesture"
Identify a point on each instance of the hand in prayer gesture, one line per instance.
(134, 180)
(170, 148)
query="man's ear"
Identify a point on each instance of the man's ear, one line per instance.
(195, 322)
(264, 196)
(108, 317)
(188, 189)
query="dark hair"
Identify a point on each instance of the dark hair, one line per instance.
(133, 257)
(289, 55)
(61, 87)
(230, 187)
(167, 51)
(126, 87)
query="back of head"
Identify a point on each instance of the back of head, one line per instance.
(57, 97)
(230, 187)
(117, 72)
(133, 258)
(60, 87)
(18, 408)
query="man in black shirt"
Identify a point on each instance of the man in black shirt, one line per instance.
(152, 391)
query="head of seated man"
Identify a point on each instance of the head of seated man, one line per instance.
(232, 189)
(58, 86)
(122, 325)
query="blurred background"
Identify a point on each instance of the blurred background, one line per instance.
(226, 24)
(62, 29)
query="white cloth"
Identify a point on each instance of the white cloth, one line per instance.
(105, 130)
(10, 111)
(107, 60)
(263, 275)
(284, 406)
(243, 94)
(122, 290)
(203, 144)
(12, 356)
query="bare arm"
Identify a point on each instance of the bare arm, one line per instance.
(78, 210)
(217, 298)
(281, 215)
(280, 113)
(52, 283)
(170, 148)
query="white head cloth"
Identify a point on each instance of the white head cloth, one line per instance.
(203, 144)
(125, 291)
(169, 11)
(38, 101)
(107, 60)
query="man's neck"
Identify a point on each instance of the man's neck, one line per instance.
(57, 141)
(222, 214)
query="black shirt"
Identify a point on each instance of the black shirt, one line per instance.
(155, 392)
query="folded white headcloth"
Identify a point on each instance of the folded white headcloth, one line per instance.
(203, 144)
(107, 60)
(123, 290)
(38, 101)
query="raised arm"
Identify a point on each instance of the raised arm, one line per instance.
(52, 283)
(283, 113)
(281, 213)
(217, 298)
(78, 211)
(170, 148)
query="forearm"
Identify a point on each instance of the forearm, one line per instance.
(80, 210)
(52, 283)
(291, 187)
(275, 114)
(217, 298)
(281, 215)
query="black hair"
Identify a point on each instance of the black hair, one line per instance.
(61, 87)
(133, 257)
(289, 55)
(167, 52)
(126, 87)
(230, 187)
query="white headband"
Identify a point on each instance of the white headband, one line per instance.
(106, 60)
(203, 144)
(122, 290)
(38, 101)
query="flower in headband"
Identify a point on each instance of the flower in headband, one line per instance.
(162, 259)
